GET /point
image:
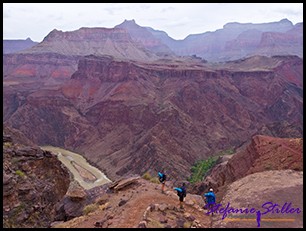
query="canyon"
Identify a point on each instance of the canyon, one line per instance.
(133, 117)
(133, 101)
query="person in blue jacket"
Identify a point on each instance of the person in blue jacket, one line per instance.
(210, 199)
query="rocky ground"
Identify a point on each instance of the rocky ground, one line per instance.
(142, 204)
(277, 187)
(33, 181)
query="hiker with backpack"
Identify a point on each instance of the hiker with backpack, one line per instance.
(181, 192)
(210, 199)
(162, 180)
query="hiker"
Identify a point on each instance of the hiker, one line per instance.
(162, 180)
(181, 192)
(210, 199)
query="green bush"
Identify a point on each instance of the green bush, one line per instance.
(200, 168)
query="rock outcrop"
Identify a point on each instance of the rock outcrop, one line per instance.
(33, 182)
(123, 182)
(263, 153)
(278, 193)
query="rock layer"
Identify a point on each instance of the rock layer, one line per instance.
(133, 117)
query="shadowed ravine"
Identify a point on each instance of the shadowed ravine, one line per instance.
(87, 175)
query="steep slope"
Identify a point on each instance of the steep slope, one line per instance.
(145, 37)
(282, 43)
(33, 182)
(32, 70)
(97, 41)
(173, 44)
(133, 117)
(263, 153)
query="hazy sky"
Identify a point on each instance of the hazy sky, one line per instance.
(36, 20)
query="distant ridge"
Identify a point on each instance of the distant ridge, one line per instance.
(15, 45)
(97, 41)
(129, 40)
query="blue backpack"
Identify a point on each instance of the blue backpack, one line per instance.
(162, 177)
(181, 192)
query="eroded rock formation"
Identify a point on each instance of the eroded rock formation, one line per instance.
(131, 117)
(33, 182)
(263, 153)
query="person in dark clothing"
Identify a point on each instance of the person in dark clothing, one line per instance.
(182, 194)
(210, 199)
(162, 180)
